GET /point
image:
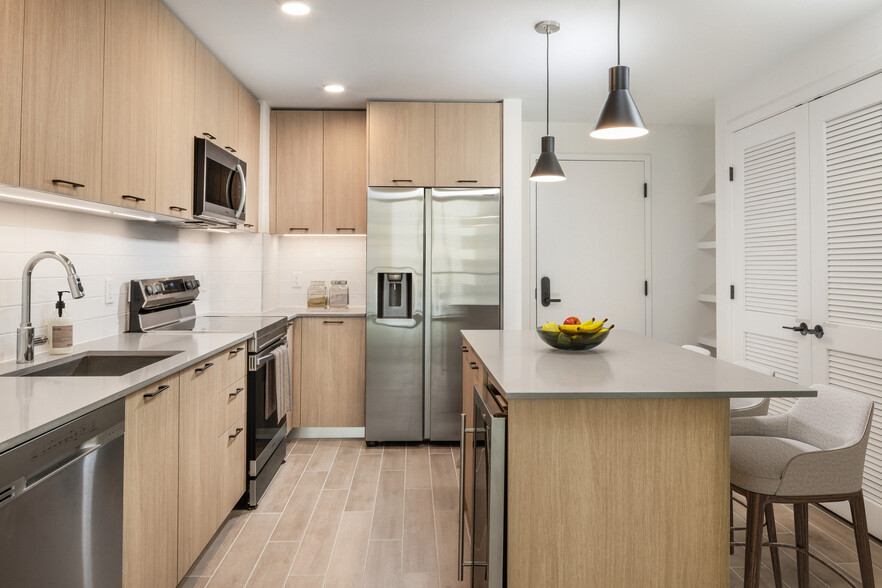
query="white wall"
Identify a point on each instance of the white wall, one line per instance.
(682, 164)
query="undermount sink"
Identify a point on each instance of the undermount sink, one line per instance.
(95, 364)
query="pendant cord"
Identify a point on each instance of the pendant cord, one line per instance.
(547, 85)
(619, 35)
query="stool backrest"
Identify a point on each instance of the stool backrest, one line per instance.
(836, 418)
(756, 367)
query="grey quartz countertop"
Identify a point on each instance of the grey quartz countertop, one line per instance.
(30, 406)
(626, 365)
(293, 312)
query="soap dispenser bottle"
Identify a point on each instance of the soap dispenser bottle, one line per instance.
(60, 329)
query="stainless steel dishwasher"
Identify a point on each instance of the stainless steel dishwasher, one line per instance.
(61, 505)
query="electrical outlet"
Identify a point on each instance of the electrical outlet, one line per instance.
(108, 291)
(295, 279)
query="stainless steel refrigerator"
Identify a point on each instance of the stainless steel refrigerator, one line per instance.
(433, 269)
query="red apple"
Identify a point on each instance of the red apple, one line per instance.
(573, 320)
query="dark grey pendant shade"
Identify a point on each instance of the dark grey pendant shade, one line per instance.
(619, 117)
(547, 166)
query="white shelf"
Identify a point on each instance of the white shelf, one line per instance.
(709, 339)
(707, 198)
(707, 244)
(709, 295)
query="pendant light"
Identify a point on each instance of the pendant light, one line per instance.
(547, 167)
(619, 117)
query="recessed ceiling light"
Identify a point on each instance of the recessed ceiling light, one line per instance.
(333, 88)
(295, 7)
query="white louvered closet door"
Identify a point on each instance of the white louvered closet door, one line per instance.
(771, 246)
(846, 146)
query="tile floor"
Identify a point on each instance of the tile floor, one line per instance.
(341, 514)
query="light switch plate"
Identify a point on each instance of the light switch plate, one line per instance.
(295, 279)
(108, 291)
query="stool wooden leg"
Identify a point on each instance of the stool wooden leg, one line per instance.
(862, 538)
(800, 521)
(773, 538)
(731, 523)
(754, 539)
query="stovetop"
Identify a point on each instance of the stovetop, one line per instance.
(219, 323)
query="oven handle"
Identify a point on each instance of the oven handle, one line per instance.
(268, 355)
(462, 437)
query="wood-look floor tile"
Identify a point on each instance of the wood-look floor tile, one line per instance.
(323, 457)
(417, 467)
(194, 582)
(318, 541)
(352, 443)
(305, 582)
(447, 538)
(210, 558)
(445, 486)
(735, 581)
(303, 446)
(243, 555)
(420, 580)
(456, 456)
(364, 483)
(419, 533)
(276, 497)
(340, 476)
(440, 447)
(388, 519)
(383, 567)
(393, 457)
(346, 568)
(295, 518)
(274, 564)
(378, 448)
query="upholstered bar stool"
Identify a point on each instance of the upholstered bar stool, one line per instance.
(742, 407)
(812, 453)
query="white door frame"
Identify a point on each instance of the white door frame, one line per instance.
(647, 224)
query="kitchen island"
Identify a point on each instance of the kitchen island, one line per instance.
(618, 458)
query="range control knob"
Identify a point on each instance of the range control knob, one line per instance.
(196, 283)
(149, 289)
(159, 288)
(189, 285)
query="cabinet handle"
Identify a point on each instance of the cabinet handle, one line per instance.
(237, 351)
(298, 228)
(230, 149)
(247, 226)
(464, 349)
(158, 391)
(203, 368)
(402, 180)
(133, 198)
(467, 181)
(473, 365)
(346, 229)
(333, 322)
(210, 136)
(177, 208)
(236, 393)
(69, 183)
(236, 434)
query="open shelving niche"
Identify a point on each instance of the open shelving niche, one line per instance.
(708, 243)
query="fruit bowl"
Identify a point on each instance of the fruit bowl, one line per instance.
(573, 341)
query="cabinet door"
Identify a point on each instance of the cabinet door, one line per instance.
(231, 460)
(468, 144)
(12, 33)
(468, 407)
(150, 487)
(130, 72)
(175, 122)
(401, 143)
(249, 152)
(332, 377)
(294, 351)
(62, 97)
(296, 171)
(345, 172)
(208, 105)
(228, 124)
(198, 468)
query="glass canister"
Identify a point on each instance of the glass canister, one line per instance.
(338, 296)
(317, 295)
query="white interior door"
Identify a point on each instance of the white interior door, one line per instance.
(846, 147)
(591, 243)
(771, 254)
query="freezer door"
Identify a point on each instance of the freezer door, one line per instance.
(394, 346)
(463, 293)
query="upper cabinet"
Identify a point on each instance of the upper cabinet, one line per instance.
(130, 85)
(249, 152)
(401, 147)
(12, 33)
(345, 180)
(175, 116)
(62, 96)
(217, 101)
(468, 144)
(296, 138)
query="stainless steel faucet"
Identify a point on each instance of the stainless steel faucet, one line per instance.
(25, 342)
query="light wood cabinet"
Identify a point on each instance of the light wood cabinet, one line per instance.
(345, 179)
(175, 120)
(62, 97)
(150, 486)
(217, 101)
(401, 143)
(332, 376)
(249, 152)
(228, 88)
(296, 174)
(472, 375)
(295, 331)
(231, 457)
(128, 165)
(12, 33)
(468, 150)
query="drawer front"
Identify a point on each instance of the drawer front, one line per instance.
(234, 361)
(232, 460)
(233, 399)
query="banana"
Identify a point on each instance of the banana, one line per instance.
(569, 328)
(591, 327)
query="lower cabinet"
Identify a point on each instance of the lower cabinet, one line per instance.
(231, 484)
(150, 486)
(472, 375)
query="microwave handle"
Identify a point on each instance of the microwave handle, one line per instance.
(241, 172)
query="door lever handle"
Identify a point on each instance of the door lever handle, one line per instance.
(817, 331)
(545, 284)
(802, 328)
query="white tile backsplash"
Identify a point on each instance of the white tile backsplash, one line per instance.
(321, 258)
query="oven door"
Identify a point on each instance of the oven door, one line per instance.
(219, 184)
(488, 544)
(265, 431)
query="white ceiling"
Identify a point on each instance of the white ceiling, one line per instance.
(681, 52)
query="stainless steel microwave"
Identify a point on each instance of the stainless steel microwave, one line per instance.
(219, 191)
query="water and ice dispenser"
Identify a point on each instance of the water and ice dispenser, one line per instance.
(395, 295)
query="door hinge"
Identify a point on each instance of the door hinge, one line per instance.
(731, 291)
(645, 287)
(645, 190)
(731, 174)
